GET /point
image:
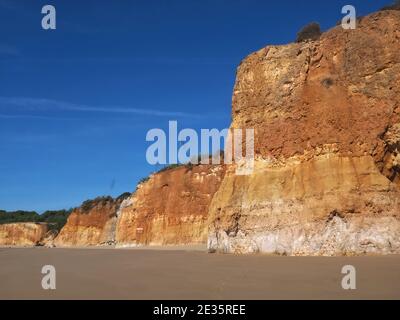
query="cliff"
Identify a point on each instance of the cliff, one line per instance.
(91, 224)
(170, 208)
(326, 180)
(22, 234)
(326, 115)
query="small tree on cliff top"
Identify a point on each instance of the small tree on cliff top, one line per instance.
(311, 31)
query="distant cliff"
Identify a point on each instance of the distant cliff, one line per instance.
(93, 223)
(170, 208)
(55, 219)
(22, 234)
(28, 228)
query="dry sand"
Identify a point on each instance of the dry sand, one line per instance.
(190, 274)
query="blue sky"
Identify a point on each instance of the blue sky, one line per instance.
(76, 103)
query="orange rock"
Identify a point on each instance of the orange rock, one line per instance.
(170, 208)
(91, 224)
(22, 234)
(326, 119)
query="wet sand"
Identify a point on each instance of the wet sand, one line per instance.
(191, 274)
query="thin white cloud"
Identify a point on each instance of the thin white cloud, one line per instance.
(35, 104)
(30, 116)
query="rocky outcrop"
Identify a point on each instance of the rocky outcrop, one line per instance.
(170, 208)
(326, 115)
(22, 234)
(91, 224)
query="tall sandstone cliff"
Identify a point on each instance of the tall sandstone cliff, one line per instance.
(326, 115)
(170, 208)
(91, 224)
(22, 234)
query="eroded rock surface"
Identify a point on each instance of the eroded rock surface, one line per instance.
(326, 115)
(170, 208)
(91, 224)
(22, 234)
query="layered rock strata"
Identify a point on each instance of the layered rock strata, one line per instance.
(326, 115)
(170, 208)
(22, 234)
(91, 224)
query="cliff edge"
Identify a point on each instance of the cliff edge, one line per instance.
(326, 115)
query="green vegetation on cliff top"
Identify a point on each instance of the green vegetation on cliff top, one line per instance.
(56, 219)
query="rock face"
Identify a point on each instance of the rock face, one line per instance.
(170, 208)
(22, 234)
(326, 115)
(91, 224)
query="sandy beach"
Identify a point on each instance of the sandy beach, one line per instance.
(190, 274)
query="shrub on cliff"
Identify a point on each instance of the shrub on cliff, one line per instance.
(18, 216)
(56, 219)
(123, 196)
(90, 204)
(143, 180)
(311, 31)
(170, 167)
